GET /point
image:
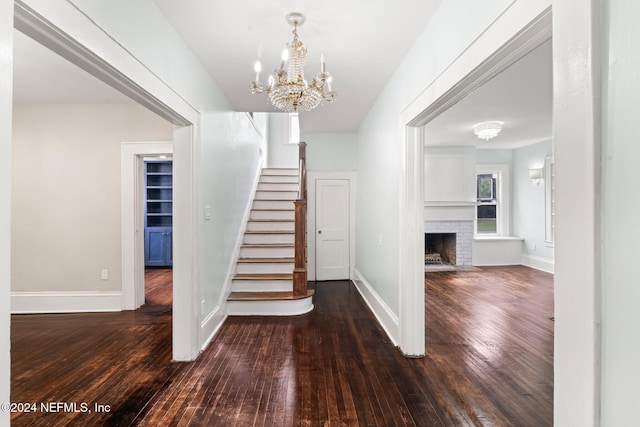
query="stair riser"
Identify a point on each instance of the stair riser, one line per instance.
(276, 195)
(264, 268)
(278, 171)
(270, 308)
(287, 215)
(286, 252)
(273, 204)
(268, 238)
(276, 178)
(267, 186)
(271, 226)
(261, 286)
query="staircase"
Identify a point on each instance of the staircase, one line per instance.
(263, 283)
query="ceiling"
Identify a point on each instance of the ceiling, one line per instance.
(521, 97)
(41, 76)
(229, 36)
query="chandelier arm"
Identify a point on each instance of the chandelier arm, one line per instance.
(287, 89)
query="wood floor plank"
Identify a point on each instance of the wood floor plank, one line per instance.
(488, 362)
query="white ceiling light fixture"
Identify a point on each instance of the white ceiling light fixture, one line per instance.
(487, 130)
(287, 89)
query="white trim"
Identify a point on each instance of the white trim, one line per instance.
(312, 177)
(65, 302)
(68, 31)
(6, 88)
(523, 26)
(539, 263)
(186, 240)
(211, 325)
(379, 308)
(132, 221)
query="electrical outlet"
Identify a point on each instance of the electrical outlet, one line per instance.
(104, 274)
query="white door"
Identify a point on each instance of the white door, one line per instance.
(332, 229)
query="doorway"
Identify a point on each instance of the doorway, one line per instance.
(332, 229)
(330, 225)
(138, 83)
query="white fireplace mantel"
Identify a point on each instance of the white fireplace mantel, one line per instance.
(450, 211)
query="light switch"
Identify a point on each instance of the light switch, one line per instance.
(207, 213)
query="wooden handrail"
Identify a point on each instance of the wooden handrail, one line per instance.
(300, 257)
(302, 171)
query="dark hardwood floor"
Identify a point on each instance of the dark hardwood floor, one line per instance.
(489, 362)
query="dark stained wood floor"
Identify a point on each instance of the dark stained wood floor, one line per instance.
(489, 362)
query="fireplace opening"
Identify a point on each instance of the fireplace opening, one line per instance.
(440, 248)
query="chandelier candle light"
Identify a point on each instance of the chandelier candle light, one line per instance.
(287, 89)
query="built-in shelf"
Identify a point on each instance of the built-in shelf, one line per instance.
(158, 218)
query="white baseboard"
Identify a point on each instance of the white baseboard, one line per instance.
(210, 325)
(65, 302)
(387, 319)
(543, 264)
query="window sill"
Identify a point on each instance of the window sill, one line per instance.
(497, 238)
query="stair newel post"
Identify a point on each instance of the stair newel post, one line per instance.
(300, 257)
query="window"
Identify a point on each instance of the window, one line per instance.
(294, 128)
(493, 189)
(487, 210)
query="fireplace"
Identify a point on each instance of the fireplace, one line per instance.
(452, 240)
(440, 248)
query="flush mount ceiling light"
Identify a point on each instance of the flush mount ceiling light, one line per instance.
(487, 130)
(287, 89)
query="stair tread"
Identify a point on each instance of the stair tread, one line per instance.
(271, 220)
(266, 260)
(269, 232)
(268, 245)
(267, 296)
(273, 210)
(274, 200)
(264, 276)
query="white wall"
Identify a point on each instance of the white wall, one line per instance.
(449, 174)
(331, 151)
(620, 214)
(6, 88)
(529, 200)
(280, 154)
(66, 192)
(226, 187)
(380, 166)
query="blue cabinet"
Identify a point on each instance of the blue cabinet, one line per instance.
(158, 215)
(158, 248)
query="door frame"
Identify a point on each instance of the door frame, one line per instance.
(65, 30)
(312, 177)
(132, 156)
(514, 34)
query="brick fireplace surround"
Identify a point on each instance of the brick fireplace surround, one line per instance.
(464, 237)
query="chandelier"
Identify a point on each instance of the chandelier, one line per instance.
(287, 89)
(487, 130)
